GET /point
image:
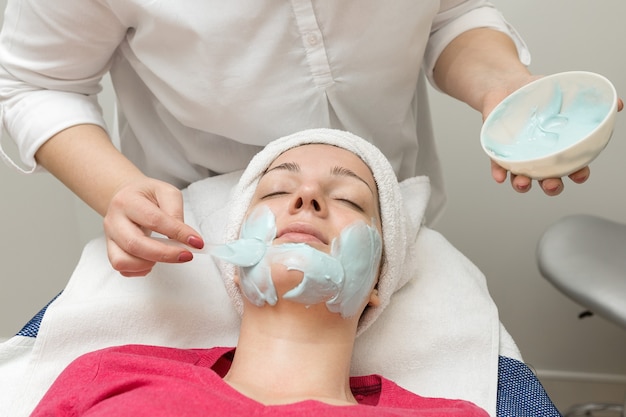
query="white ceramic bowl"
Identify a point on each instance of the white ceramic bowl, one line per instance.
(553, 126)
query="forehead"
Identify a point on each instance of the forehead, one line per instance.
(323, 157)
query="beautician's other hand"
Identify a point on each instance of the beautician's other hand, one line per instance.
(521, 183)
(481, 67)
(138, 208)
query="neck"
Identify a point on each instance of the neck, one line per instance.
(285, 358)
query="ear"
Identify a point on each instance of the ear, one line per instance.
(374, 300)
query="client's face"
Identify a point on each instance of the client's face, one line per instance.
(314, 229)
(315, 191)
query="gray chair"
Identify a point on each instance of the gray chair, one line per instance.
(584, 257)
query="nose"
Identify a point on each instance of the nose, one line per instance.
(309, 198)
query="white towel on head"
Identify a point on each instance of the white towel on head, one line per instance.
(395, 228)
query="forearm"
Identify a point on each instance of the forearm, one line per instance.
(85, 160)
(478, 64)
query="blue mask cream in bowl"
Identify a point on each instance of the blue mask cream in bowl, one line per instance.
(553, 126)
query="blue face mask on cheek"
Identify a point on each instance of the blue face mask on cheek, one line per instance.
(342, 279)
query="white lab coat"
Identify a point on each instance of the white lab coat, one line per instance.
(202, 85)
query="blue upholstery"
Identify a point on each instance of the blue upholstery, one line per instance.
(520, 394)
(32, 327)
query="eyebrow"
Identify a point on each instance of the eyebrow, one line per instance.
(287, 166)
(337, 171)
(349, 173)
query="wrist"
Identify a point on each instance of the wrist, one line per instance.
(479, 65)
(83, 158)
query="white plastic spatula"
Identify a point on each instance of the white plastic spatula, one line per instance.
(242, 252)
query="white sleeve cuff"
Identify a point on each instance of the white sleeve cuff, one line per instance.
(40, 115)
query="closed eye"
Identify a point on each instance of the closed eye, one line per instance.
(352, 203)
(273, 194)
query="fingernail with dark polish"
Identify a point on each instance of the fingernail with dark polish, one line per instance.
(185, 257)
(196, 242)
(555, 189)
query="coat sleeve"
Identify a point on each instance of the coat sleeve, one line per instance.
(458, 16)
(53, 55)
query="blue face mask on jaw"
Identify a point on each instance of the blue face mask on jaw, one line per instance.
(342, 279)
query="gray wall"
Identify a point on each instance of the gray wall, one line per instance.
(44, 227)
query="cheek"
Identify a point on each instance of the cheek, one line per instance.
(277, 206)
(346, 217)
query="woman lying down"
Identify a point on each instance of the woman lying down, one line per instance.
(307, 268)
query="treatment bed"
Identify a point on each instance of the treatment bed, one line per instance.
(440, 336)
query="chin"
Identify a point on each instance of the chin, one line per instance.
(285, 279)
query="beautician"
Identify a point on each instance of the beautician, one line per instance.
(201, 85)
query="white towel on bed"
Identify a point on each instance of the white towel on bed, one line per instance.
(439, 336)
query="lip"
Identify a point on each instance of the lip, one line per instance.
(301, 233)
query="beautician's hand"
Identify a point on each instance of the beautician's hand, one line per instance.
(132, 205)
(521, 183)
(137, 209)
(481, 67)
